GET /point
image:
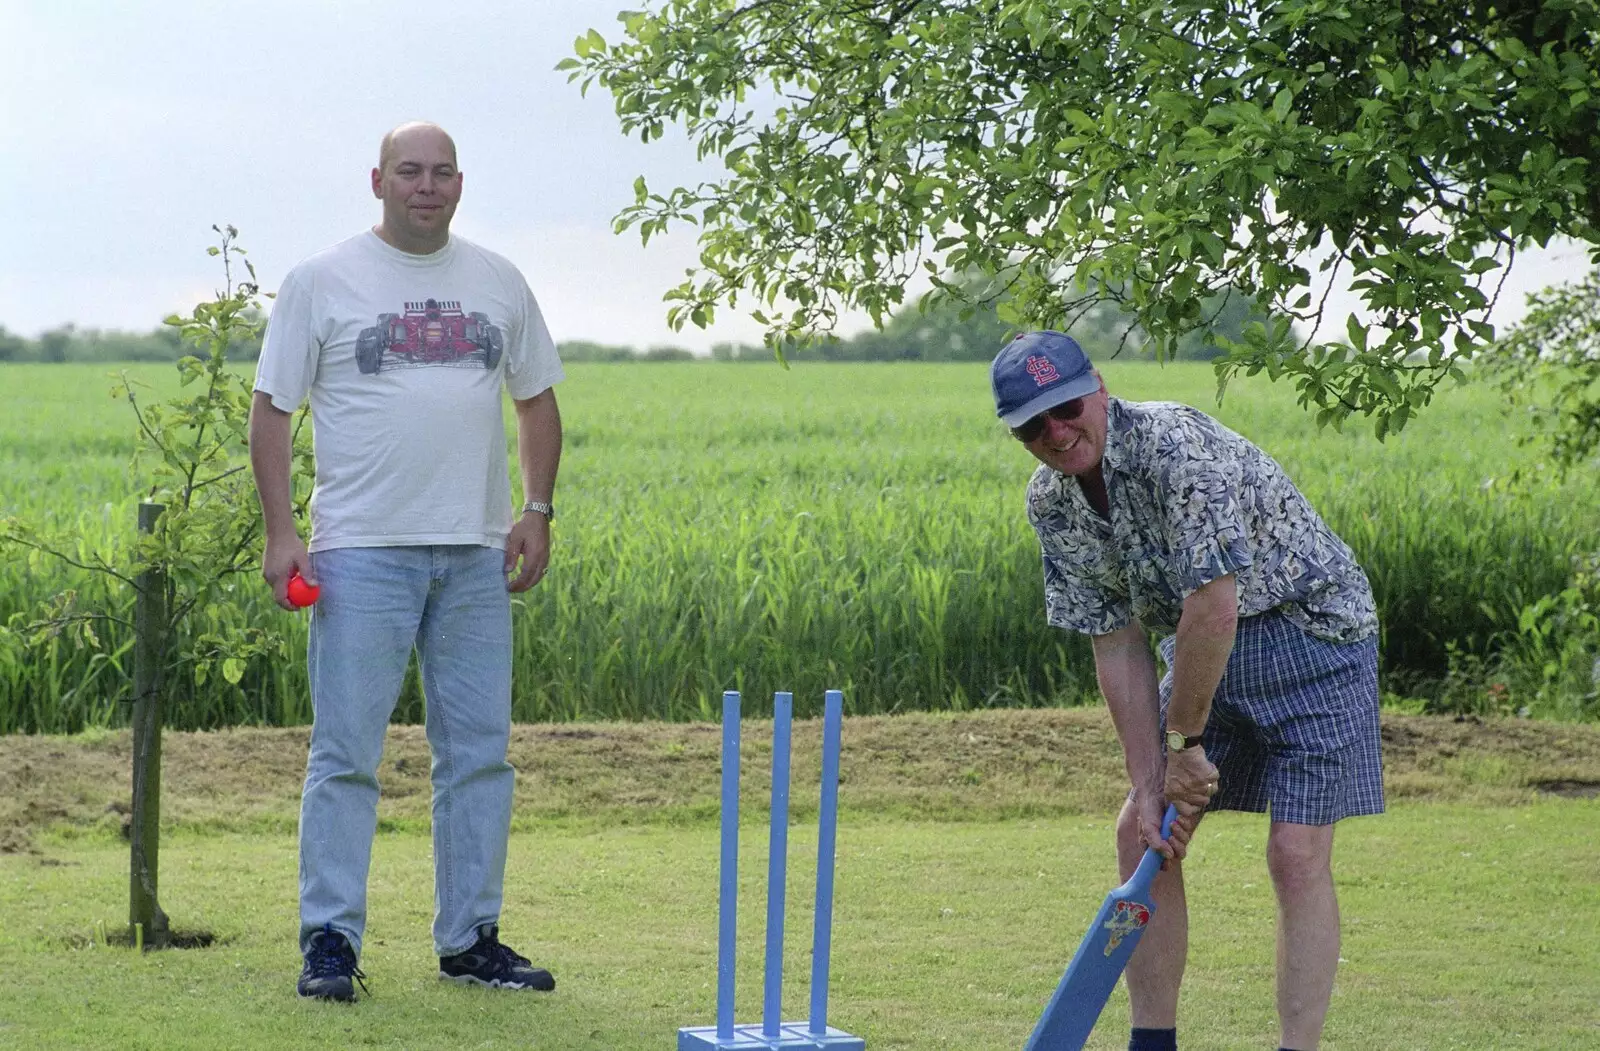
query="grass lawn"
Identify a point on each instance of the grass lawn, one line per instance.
(1466, 926)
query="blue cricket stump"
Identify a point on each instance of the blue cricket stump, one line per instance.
(773, 1034)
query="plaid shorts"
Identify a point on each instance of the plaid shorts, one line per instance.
(1294, 724)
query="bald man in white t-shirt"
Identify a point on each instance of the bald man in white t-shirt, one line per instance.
(403, 338)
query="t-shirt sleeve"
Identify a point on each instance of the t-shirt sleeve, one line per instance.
(1199, 481)
(291, 349)
(532, 363)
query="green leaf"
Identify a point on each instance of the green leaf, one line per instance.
(1357, 333)
(1084, 123)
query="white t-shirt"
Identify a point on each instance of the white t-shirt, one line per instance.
(403, 357)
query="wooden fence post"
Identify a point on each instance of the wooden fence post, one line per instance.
(147, 924)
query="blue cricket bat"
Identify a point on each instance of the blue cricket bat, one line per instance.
(1070, 1015)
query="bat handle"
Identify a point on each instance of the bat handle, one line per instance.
(1150, 864)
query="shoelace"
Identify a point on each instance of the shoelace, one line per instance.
(505, 959)
(325, 962)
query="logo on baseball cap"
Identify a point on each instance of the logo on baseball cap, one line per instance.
(1038, 371)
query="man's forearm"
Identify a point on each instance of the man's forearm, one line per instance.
(1126, 670)
(270, 456)
(1204, 642)
(538, 445)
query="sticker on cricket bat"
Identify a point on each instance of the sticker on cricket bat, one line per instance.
(1070, 1015)
(1127, 917)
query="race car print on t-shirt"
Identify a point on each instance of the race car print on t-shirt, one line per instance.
(430, 333)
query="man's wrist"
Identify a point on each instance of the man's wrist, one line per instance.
(539, 507)
(1178, 741)
(1188, 723)
(1148, 779)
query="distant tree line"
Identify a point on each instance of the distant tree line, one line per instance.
(940, 333)
(973, 331)
(583, 350)
(68, 343)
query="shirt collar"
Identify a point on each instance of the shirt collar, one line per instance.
(1115, 457)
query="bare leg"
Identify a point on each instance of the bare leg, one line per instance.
(1155, 971)
(1300, 860)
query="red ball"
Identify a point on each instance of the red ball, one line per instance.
(300, 593)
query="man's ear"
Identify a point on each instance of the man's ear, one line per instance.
(377, 183)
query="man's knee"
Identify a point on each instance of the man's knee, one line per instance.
(1299, 857)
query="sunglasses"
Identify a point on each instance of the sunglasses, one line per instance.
(1033, 428)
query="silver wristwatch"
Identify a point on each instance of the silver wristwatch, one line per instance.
(548, 510)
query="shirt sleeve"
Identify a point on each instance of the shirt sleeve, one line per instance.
(1081, 577)
(1074, 605)
(291, 349)
(532, 362)
(1199, 479)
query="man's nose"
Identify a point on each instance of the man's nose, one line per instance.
(1054, 427)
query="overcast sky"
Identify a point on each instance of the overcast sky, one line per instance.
(127, 129)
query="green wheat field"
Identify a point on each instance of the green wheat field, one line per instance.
(851, 526)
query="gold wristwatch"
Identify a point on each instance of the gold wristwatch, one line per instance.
(1177, 742)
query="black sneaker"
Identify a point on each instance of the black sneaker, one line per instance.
(492, 964)
(330, 972)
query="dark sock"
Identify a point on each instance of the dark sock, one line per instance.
(1153, 1040)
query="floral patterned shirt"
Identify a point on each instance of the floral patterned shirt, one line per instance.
(1191, 501)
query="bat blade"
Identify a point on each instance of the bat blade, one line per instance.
(1072, 1012)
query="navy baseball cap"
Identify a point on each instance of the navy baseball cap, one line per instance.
(1038, 371)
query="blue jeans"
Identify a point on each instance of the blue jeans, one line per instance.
(377, 604)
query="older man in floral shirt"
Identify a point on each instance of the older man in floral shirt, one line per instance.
(1152, 516)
